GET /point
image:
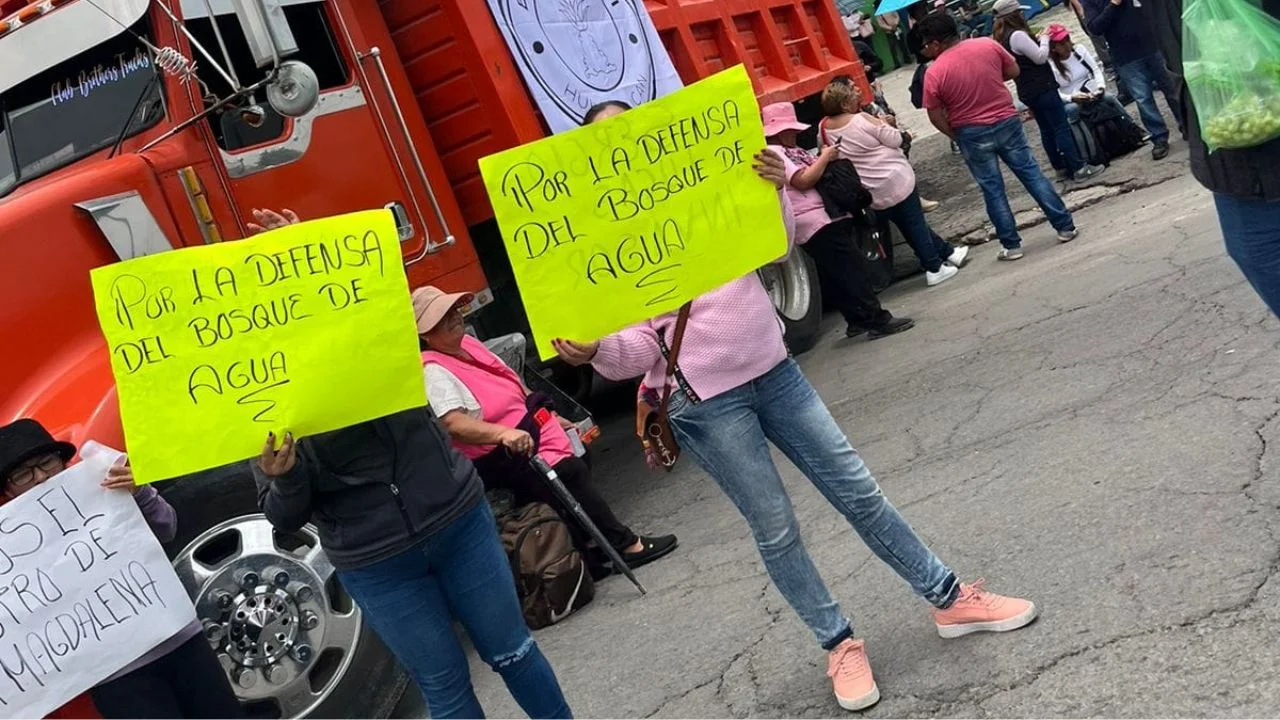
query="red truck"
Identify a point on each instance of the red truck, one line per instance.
(129, 127)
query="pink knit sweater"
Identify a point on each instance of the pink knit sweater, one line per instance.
(733, 337)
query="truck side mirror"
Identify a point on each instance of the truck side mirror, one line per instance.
(294, 90)
(266, 29)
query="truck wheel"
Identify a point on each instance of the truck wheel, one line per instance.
(797, 296)
(290, 638)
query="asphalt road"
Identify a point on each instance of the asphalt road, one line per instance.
(1089, 427)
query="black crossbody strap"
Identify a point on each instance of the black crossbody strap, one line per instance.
(672, 356)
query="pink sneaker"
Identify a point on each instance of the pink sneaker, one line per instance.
(977, 610)
(850, 675)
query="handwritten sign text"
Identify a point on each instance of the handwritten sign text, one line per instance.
(624, 220)
(85, 589)
(307, 329)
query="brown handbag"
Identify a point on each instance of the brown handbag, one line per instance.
(653, 425)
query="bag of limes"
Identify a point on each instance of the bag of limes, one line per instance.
(1231, 60)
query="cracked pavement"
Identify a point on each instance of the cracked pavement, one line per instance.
(1094, 427)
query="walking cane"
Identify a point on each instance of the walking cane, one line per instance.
(580, 515)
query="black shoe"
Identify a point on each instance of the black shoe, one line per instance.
(1160, 150)
(654, 548)
(893, 326)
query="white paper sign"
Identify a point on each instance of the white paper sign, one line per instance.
(576, 53)
(85, 589)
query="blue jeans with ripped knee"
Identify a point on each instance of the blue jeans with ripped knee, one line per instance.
(459, 573)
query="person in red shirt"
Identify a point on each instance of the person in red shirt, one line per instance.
(967, 100)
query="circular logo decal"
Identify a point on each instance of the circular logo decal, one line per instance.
(581, 52)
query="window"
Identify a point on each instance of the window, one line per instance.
(78, 107)
(317, 47)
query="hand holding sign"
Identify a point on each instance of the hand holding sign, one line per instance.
(272, 220)
(120, 477)
(771, 168)
(274, 461)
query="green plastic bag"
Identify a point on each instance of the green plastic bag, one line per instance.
(1231, 60)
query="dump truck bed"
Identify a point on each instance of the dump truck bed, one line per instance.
(475, 103)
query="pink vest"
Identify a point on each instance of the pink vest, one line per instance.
(501, 396)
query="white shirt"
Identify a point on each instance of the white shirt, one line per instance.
(447, 393)
(1022, 44)
(1078, 78)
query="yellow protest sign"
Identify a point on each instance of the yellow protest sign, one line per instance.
(628, 218)
(304, 329)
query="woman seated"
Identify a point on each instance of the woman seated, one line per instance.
(490, 415)
(1081, 82)
(875, 149)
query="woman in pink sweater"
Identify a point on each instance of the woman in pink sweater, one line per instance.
(875, 149)
(737, 391)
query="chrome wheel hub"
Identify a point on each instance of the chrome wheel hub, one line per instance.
(789, 287)
(274, 612)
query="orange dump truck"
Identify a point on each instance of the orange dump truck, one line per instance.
(130, 127)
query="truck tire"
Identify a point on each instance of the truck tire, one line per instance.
(293, 642)
(797, 297)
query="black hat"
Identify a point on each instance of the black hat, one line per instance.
(24, 439)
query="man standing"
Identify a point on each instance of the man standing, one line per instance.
(890, 24)
(967, 100)
(1139, 65)
(1245, 182)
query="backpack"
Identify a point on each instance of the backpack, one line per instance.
(550, 573)
(1087, 143)
(1117, 134)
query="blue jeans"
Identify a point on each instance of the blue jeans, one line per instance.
(726, 435)
(460, 573)
(1251, 231)
(1141, 78)
(983, 147)
(908, 215)
(1055, 131)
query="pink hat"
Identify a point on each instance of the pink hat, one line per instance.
(431, 304)
(780, 117)
(1058, 33)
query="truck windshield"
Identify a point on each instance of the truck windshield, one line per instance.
(77, 107)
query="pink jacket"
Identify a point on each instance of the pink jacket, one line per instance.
(501, 395)
(733, 337)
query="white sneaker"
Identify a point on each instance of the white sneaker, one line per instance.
(1009, 254)
(945, 273)
(1067, 236)
(959, 256)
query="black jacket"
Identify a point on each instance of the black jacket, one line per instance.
(1249, 172)
(373, 489)
(1125, 26)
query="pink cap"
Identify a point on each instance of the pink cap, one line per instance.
(1058, 33)
(780, 117)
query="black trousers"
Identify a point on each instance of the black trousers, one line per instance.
(529, 486)
(842, 269)
(187, 683)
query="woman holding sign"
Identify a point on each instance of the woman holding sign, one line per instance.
(402, 517)
(738, 391)
(179, 678)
